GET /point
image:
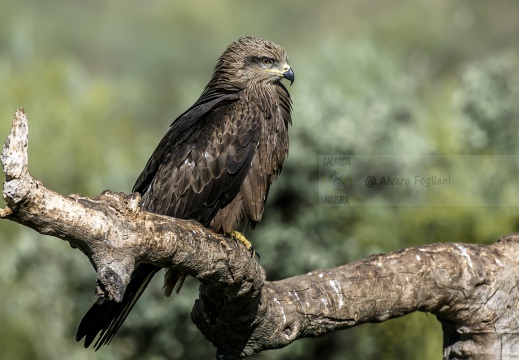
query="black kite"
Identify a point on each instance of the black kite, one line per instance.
(215, 164)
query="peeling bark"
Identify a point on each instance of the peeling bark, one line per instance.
(472, 289)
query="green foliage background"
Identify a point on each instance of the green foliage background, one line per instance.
(102, 80)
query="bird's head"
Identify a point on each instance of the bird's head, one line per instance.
(253, 60)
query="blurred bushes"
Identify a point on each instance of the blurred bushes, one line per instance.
(489, 99)
(101, 81)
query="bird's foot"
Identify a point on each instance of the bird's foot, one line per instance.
(241, 238)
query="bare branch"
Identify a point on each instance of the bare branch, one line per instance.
(471, 288)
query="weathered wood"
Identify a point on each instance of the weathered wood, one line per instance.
(472, 289)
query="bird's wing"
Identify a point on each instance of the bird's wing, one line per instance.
(197, 168)
(181, 127)
(200, 164)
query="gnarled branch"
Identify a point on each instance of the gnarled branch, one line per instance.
(471, 288)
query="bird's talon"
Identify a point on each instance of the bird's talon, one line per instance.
(241, 238)
(253, 252)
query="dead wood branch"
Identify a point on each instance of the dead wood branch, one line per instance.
(472, 289)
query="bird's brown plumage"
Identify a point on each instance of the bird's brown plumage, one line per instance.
(215, 164)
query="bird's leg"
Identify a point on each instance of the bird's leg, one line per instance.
(241, 238)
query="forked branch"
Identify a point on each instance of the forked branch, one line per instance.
(471, 288)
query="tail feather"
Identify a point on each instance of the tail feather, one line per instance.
(173, 280)
(105, 317)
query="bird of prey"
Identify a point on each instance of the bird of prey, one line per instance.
(214, 165)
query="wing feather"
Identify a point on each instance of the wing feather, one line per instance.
(182, 128)
(205, 171)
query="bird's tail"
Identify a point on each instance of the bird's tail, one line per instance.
(173, 280)
(105, 317)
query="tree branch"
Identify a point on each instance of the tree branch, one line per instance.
(471, 288)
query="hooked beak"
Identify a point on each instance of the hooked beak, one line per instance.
(289, 75)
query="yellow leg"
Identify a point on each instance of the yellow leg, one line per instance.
(241, 238)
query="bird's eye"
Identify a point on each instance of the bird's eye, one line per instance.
(266, 61)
